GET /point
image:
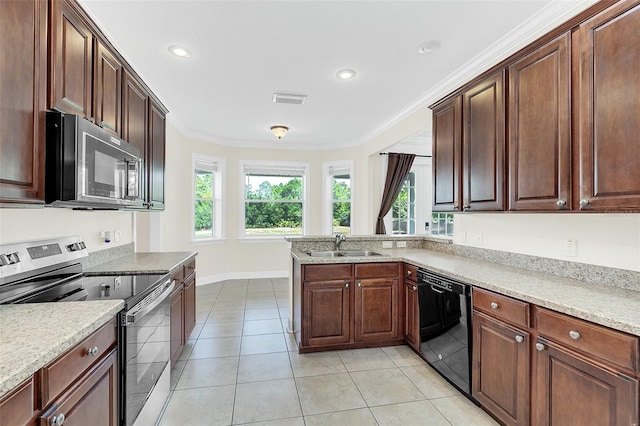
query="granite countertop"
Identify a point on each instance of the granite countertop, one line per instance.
(141, 263)
(32, 335)
(601, 304)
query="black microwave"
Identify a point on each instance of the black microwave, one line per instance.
(87, 167)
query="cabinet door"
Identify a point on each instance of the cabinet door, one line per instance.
(156, 157)
(571, 390)
(70, 61)
(326, 316)
(92, 401)
(483, 146)
(107, 89)
(376, 309)
(176, 333)
(540, 129)
(411, 315)
(501, 360)
(447, 145)
(135, 106)
(189, 305)
(23, 66)
(609, 90)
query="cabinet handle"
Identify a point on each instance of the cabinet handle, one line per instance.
(539, 347)
(408, 272)
(584, 203)
(494, 305)
(519, 338)
(92, 351)
(575, 335)
(561, 203)
(467, 207)
(57, 420)
(415, 288)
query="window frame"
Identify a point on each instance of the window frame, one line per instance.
(217, 166)
(328, 201)
(272, 166)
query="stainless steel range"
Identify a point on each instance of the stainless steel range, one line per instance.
(51, 271)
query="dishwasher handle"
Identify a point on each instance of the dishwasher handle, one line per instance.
(137, 311)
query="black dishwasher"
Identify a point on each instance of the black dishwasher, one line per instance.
(445, 327)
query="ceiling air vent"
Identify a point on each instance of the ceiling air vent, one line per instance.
(282, 98)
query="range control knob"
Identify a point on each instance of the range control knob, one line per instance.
(13, 258)
(4, 259)
(76, 246)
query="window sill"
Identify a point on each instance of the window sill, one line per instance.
(273, 239)
(204, 241)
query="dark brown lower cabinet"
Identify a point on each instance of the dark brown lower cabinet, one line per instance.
(411, 315)
(177, 323)
(189, 305)
(376, 309)
(326, 312)
(501, 369)
(574, 390)
(91, 401)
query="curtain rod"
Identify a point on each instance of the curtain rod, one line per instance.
(417, 155)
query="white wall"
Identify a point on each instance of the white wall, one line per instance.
(18, 225)
(602, 239)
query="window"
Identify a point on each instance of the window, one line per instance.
(442, 224)
(274, 199)
(403, 211)
(207, 197)
(338, 198)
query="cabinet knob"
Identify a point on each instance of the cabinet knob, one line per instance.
(575, 335)
(346, 285)
(539, 347)
(57, 420)
(466, 207)
(415, 288)
(359, 283)
(584, 203)
(92, 351)
(561, 203)
(494, 305)
(519, 338)
(408, 272)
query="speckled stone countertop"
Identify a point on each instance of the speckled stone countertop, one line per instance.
(141, 263)
(32, 335)
(609, 306)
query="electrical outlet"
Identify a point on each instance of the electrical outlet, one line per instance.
(387, 244)
(462, 236)
(572, 248)
(478, 239)
(117, 234)
(117, 282)
(401, 244)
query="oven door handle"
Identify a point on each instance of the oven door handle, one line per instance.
(437, 290)
(79, 295)
(131, 318)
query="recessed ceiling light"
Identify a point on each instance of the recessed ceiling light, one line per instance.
(429, 46)
(345, 74)
(180, 51)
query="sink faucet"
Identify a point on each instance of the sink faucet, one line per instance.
(339, 239)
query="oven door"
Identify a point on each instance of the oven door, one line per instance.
(106, 172)
(144, 358)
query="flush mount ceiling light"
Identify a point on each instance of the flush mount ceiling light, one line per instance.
(429, 46)
(179, 51)
(283, 98)
(279, 131)
(345, 74)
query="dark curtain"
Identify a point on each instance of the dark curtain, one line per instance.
(398, 169)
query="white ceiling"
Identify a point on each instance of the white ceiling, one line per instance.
(244, 51)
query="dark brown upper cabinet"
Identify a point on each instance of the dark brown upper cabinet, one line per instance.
(483, 145)
(157, 126)
(135, 110)
(447, 145)
(23, 67)
(539, 166)
(107, 89)
(608, 86)
(70, 61)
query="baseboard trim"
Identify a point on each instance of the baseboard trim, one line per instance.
(240, 276)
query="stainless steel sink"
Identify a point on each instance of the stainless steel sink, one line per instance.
(360, 253)
(341, 253)
(325, 253)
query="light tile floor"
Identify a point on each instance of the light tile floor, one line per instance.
(241, 367)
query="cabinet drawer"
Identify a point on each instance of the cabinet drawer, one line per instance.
(189, 268)
(592, 339)
(502, 307)
(59, 374)
(18, 407)
(376, 270)
(410, 272)
(338, 271)
(178, 275)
